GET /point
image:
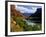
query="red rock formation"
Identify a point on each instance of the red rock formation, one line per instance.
(14, 12)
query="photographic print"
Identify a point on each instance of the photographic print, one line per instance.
(25, 18)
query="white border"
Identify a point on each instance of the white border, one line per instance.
(28, 32)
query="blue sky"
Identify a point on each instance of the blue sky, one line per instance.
(27, 8)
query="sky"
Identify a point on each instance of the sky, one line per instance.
(27, 8)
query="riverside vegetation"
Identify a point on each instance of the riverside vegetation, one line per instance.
(18, 24)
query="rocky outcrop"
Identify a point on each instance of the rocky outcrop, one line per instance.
(14, 12)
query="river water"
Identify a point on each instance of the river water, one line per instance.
(29, 22)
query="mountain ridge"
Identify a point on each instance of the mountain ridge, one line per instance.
(14, 12)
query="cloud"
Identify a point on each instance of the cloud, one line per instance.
(26, 10)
